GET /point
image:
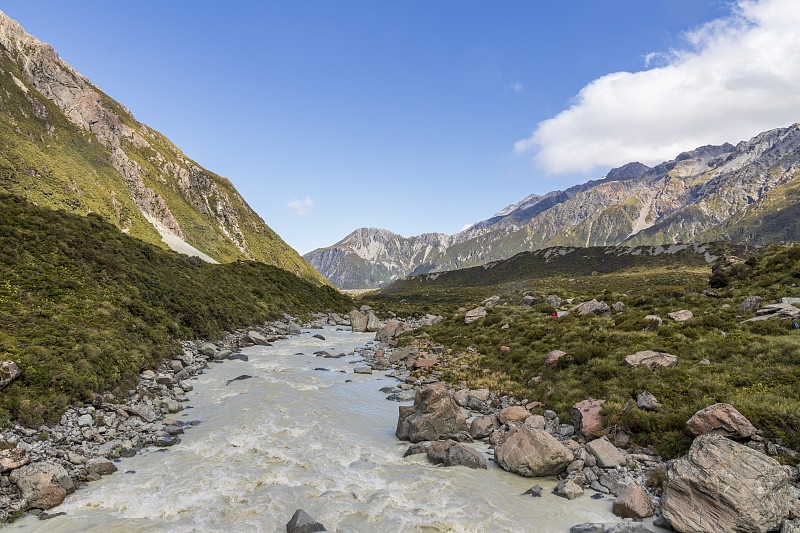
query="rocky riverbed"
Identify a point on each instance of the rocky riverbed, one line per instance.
(336, 381)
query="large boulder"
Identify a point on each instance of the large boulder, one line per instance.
(434, 415)
(592, 306)
(9, 371)
(474, 314)
(490, 302)
(607, 455)
(373, 323)
(645, 400)
(407, 354)
(515, 413)
(42, 485)
(531, 452)
(452, 453)
(721, 485)
(633, 502)
(586, 417)
(391, 329)
(256, 338)
(721, 418)
(554, 356)
(651, 359)
(751, 303)
(553, 300)
(358, 321)
(483, 426)
(681, 316)
(568, 489)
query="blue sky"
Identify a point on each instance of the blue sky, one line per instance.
(421, 116)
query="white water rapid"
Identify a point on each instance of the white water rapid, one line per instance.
(295, 437)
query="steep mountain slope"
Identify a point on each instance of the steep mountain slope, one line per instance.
(746, 193)
(85, 308)
(67, 145)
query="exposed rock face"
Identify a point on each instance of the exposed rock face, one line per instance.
(452, 453)
(532, 453)
(633, 502)
(721, 418)
(434, 415)
(721, 485)
(586, 417)
(651, 359)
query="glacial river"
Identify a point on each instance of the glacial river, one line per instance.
(295, 437)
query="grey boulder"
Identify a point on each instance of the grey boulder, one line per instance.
(721, 485)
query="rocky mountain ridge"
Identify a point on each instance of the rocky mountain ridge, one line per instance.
(745, 193)
(67, 145)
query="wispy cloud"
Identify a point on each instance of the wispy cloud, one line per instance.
(516, 87)
(301, 207)
(735, 77)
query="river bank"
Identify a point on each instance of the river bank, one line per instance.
(306, 431)
(302, 421)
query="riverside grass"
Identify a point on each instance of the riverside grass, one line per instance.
(84, 307)
(754, 366)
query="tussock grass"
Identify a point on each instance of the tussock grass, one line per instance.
(754, 366)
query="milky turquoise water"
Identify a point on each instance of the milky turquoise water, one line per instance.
(294, 437)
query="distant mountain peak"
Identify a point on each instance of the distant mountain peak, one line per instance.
(746, 193)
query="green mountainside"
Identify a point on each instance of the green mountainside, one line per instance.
(84, 307)
(67, 145)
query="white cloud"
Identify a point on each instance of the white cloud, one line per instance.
(736, 77)
(301, 207)
(465, 227)
(516, 87)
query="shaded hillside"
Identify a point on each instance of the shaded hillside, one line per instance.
(569, 261)
(67, 145)
(84, 307)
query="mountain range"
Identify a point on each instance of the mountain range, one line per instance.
(67, 145)
(746, 193)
